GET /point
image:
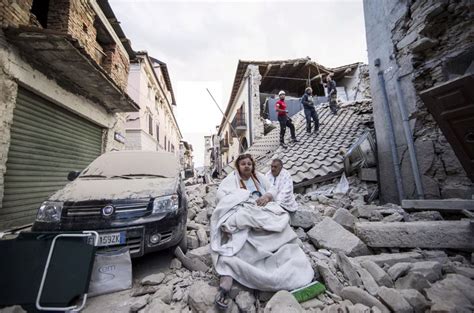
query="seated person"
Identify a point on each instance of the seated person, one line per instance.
(251, 239)
(281, 179)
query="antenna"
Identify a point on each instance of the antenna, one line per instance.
(226, 119)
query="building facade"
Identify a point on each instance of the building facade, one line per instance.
(420, 54)
(154, 127)
(63, 74)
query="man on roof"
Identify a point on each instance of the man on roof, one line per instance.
(284, 119)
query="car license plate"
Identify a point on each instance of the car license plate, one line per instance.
(111, 239)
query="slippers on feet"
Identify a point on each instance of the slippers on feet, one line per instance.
(222, 300)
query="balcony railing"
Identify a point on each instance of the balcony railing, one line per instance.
(239, 123)
(224, 145)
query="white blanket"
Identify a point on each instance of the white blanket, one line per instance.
(284, 187)
(256, 245)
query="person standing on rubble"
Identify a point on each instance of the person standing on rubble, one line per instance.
(284, 119)
(309, 110)
(332, 94)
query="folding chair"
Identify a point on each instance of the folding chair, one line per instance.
(46, 271)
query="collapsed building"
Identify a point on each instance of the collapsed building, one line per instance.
(63, 78)
(421, 76)
(248, 116)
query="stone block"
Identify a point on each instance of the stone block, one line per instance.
(305, 218)
(436, 234)
(201, 297)
(412, 281)
(390, 258)
(398, 270)
(417, 301)
(380, 276)
(394, 300)
(451, 294)
(368, 281)
(348, 269)
(345, 219)
(283, 302)
(330, 235)
(330, 279)
(431, 270)
(202, 253)
(357, 295)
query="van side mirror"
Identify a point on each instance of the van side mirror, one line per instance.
(73, 175)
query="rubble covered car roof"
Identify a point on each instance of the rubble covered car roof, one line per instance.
(134, 163)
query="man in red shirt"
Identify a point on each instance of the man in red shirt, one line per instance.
(284, 119)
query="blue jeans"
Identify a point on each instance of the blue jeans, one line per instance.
(310, 114)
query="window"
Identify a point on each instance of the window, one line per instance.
(40, 9)
(150, 125)
(165, 144)
(158, 133)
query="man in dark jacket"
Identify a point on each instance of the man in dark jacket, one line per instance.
(309, 110)
(332, 94)
(284, 119)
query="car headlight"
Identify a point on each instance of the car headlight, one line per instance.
(166, 204)
(50, 211)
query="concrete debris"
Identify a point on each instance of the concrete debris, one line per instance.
(245, 301)
(201, 296)
(417, 301)
(380, 276)
(345, 219)
(394, 300)
(335, 232)
(330, 235)
(283, 302)
(412, 281)
(435, 234)
(154, 279)
(357, 295)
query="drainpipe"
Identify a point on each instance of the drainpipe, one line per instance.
(409, 140)
(391, 134)
(250, 109)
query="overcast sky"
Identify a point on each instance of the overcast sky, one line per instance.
(202, 41)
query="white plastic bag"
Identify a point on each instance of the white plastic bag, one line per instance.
(112, 272)
(343, 185)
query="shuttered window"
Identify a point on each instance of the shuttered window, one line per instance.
(47, 142)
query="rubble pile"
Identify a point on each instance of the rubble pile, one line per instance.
(362, 273)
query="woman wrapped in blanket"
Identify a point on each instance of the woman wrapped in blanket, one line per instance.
(251, 239)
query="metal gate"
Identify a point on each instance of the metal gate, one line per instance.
(47, 142)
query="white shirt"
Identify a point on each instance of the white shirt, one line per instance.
(284, 186)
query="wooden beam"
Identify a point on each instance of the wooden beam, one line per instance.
(439, 205)
(269, 67)
(432, 234)
(282, 65)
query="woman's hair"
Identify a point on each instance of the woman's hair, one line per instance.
(243, 157)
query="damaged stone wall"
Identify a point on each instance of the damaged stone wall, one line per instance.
(414, 41)
(257, 120)
(441, 32)
(14, 13)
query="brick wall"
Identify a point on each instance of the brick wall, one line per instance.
(117, 65)
(15, 12)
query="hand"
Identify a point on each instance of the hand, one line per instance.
(263, 200)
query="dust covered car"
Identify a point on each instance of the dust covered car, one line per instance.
(131, 198)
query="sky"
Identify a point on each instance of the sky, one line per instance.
(202, 41)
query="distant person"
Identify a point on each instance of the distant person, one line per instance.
(281, 179)
(309, 110)
(332, 94)
(284, 119)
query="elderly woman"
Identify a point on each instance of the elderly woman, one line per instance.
(251, 239)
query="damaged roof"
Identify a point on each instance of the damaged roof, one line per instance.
(290, 75)
(319, 157)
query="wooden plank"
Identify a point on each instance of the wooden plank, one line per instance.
(433, 234)
(442, 205)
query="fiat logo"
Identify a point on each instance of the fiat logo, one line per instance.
(108, 210)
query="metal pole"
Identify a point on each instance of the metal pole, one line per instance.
(226, 119)
(409, 139)
(391, 137)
